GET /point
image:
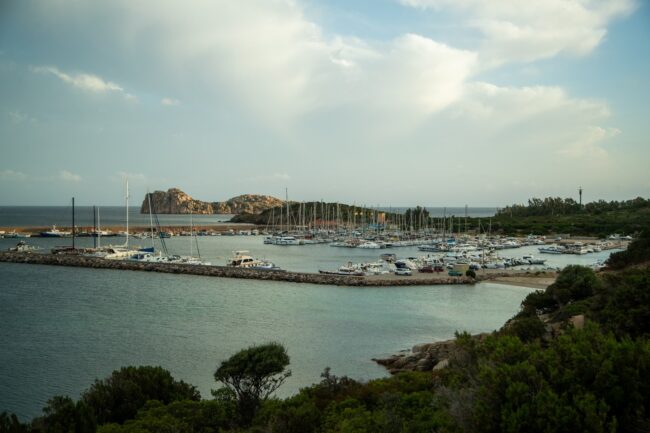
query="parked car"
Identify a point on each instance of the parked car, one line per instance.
(403, 271)
(455, 273)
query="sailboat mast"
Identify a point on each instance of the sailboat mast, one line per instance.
(126, 243)
(150, 218)
(74, 233)
(286, 195)
(94, 227)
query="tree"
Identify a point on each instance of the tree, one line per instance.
(120, 396)
(253, 374)
(63, 415)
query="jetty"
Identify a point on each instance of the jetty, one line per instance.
(230, 272)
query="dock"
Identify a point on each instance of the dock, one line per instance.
(230, 272)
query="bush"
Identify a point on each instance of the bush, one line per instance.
(120, 396)
(470, 273)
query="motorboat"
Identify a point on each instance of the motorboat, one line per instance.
(23, 247)
(243, 259)
(55, 233)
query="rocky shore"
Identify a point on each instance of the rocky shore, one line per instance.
(223, 271)
(175, 201)
(422, 357)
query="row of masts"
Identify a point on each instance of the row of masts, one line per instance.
(321, 216)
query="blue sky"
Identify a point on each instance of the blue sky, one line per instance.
(390, 102)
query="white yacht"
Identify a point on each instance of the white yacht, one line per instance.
(243, 259)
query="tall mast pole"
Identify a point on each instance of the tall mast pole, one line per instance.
(74, 233)
(286, 196)
(126, 243)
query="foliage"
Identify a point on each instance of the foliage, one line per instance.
(584, 381)
(9, 423)
(526, 328)
(120, 396)
(470, 273)
(253, 374)
(622, 306)
(638, 251)
(551, 206)
(208, 416)
(63, 415)
(573, 283)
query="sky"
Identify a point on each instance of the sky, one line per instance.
(375, 102)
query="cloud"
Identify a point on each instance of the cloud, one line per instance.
(11, 175)
(169, 101)
(17, 117)
(121, 176)
(87, 82)
(530, 30)
(275, 177)
(67, 176)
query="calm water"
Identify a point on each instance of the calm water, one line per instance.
(60, 328)
(42, 216)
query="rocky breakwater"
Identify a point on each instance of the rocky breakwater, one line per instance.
(175, 201)
(424, 357)
(209, 271)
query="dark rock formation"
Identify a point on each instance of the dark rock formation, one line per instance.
(423, 357)
(175, 201)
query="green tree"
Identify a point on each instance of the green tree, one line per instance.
(9, 423)
(120, 396)
(63, 415)
(573, 284)
(253, 374)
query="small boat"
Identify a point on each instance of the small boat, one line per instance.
(23, 247)
(243, 259)
(55, 233)
(14, 235)
(552, 249)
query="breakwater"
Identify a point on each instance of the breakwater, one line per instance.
(226, 272)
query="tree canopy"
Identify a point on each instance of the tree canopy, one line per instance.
(253, 374)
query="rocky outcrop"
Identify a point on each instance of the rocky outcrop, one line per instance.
(247, 204)
(175, 201)
(423, 357)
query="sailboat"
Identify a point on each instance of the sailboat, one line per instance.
(116, 252)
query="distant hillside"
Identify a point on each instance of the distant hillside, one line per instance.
(175, 201)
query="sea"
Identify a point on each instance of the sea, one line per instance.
(44, 216)
(61, 328)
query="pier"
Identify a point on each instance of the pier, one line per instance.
(230, 272)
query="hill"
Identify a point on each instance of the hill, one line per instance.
(175, 201)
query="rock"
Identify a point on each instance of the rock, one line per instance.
(424, 364)
(440, 365)
(578, 321)
(175, 201)
(247, 204)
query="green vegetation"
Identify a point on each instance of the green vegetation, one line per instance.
(252, 375)
(637, 253)
(540, 216)
(544, 371)
(556, 215)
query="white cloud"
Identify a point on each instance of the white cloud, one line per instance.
(275, 177)
(534, 29)
(121, 176)
(87, 82)
(169, 101)
(17, 117)
(10, 175)
(68, 176)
